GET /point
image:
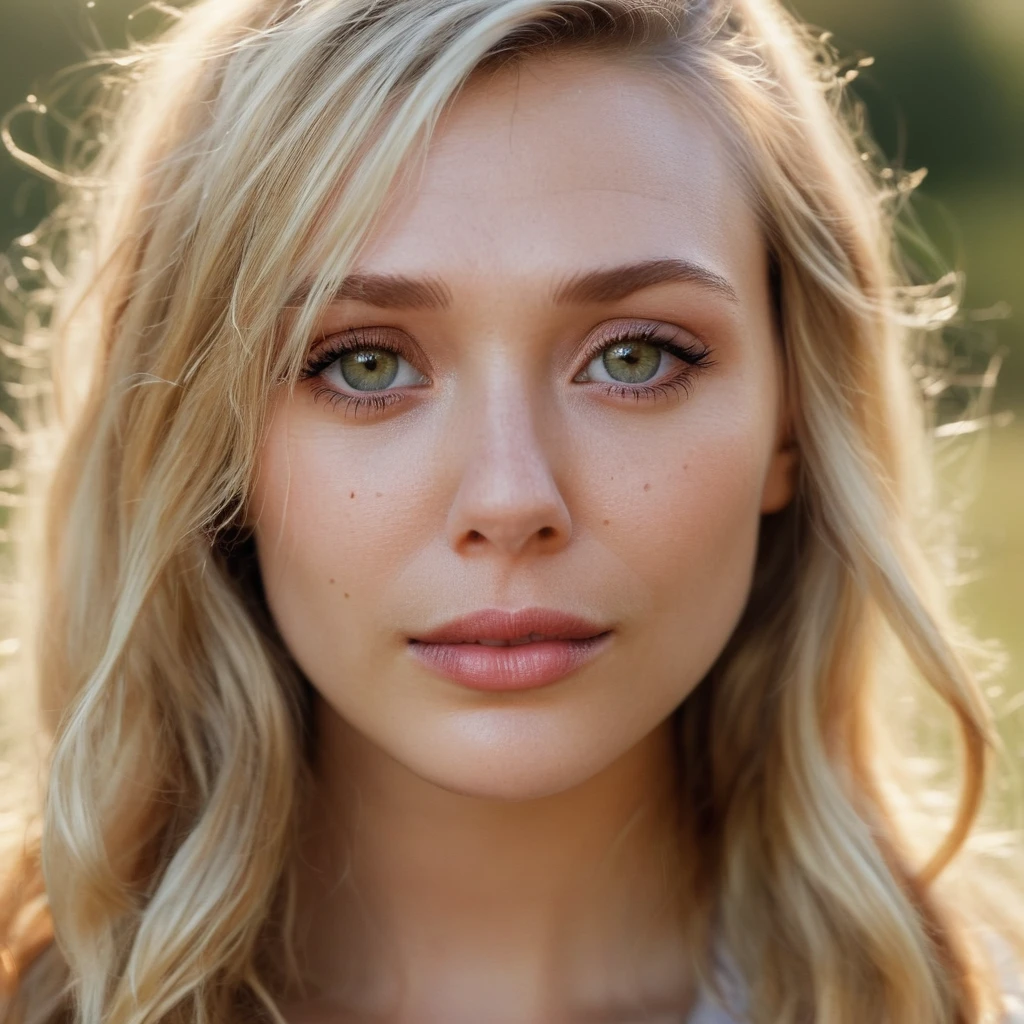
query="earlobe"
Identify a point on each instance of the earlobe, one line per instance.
(780, 481)
(780, 485)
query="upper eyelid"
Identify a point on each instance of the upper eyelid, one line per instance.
(654, 332)
(334, 343)
(607, 334)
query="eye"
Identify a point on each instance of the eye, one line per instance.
(360, 363)
(369, 368)
(628, 362)
(636, 359)
(364, 369)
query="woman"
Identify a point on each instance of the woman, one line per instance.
(488, 476)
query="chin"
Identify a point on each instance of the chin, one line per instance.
(510, 787)
(508, 755)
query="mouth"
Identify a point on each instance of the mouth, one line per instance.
(501, 650)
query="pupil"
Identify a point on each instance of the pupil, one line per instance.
(369, 369)
(632, 362)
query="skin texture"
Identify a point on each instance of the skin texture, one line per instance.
(502, 856)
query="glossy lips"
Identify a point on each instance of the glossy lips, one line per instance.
(501, 650)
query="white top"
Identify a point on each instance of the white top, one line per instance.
(705, 1013)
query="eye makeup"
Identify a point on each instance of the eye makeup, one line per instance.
(633, 350)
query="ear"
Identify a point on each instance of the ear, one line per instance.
(781, 478)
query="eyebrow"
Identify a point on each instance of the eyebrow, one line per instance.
(609, 284)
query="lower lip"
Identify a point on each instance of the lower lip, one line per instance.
(522, 667)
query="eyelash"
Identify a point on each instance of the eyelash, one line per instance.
(359, 338)
(695, 361)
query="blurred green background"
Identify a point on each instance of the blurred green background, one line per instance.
(946, 92)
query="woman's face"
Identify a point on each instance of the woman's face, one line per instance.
(577, 407)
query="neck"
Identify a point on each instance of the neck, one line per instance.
(412, 897)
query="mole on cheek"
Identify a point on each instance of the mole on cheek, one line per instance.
(647, 487)
(346, 595)
(351, 494)
(606, 522)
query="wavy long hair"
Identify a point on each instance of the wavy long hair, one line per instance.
(250, 148)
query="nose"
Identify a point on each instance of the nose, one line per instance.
(507, 500)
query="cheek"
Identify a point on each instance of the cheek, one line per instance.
(684, 518)
(666, 510)
(332, 526)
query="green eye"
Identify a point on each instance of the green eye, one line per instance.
(632, 362)
(369, 369)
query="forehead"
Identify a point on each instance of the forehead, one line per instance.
(562, 161)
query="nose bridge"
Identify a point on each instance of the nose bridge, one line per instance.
(508, 495)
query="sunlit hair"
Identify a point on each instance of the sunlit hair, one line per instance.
(248, 152)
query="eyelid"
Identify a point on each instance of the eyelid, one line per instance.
(606, 334)
(335, 344)
(686, 346)
(613, 330)
(661, 335)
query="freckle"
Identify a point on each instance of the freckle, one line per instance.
(346, 595)
(332, 581)
(379, 495)
(351, 494)
(647, 487)
(606, 522)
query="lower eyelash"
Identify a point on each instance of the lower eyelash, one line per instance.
(371, 403)
(682, 384)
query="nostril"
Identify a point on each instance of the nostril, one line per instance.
(547, 531)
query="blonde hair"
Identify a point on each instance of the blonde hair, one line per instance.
(250, 150)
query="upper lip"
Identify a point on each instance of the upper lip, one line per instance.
(498, 624)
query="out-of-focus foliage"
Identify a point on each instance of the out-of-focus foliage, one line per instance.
(946, 92)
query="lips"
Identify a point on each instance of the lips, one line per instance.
(497, 627)
(500, 650)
